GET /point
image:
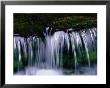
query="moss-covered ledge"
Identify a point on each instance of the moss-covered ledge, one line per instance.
(30, 24)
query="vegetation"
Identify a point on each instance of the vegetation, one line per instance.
(30, 24)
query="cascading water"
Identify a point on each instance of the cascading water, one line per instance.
(45, 55)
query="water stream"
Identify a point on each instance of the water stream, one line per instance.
(36, 55)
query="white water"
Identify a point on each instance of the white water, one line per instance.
(34, 71)
(45, 56)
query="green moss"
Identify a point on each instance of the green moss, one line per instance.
(74, 21)
(69, 59)
(93, 56)
(17, 65)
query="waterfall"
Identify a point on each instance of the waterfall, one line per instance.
(47, 53)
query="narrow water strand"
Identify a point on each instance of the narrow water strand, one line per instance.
(84, 36)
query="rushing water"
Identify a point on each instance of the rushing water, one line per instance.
(45, 55)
